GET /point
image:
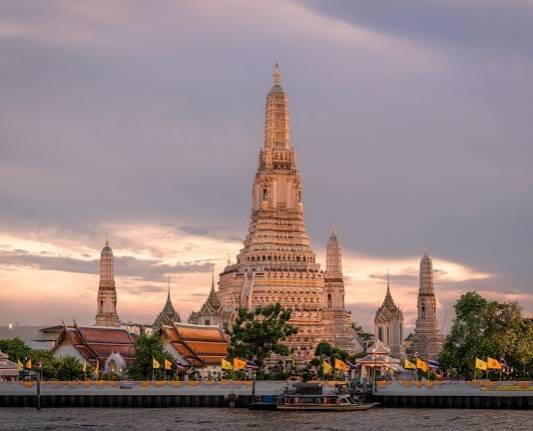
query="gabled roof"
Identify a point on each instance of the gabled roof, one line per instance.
(168, 314)
(200, 345)
(388, 309)
(98, 342)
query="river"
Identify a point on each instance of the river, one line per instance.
(196, 419)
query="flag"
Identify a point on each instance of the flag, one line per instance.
(422, 365)
(433, 364)
(168, 364)
(481, 365)
(239, 364)
(408, 365)
(251, 365)
(97, 368)
(84, 367)
(226, 365)
(503, 363)
(19, 365)
(341, 365)
(155, 363)
(351, 366)
(493, 364)
(326, 367)
(181, 365)
(28, 363)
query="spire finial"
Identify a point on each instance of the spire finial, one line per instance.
(388, 279)
(106, 240)
(213, 278)
(277, 74)
(333, 231)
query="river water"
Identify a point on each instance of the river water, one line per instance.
(242, 419)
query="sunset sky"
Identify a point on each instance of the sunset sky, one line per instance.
(412, 122)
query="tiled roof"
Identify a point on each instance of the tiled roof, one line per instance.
(200, 345)
(96, 342)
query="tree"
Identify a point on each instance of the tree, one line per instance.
(69, 368)
(15, 348)
(147, 348)
(327, 351)
(484, 328)
(256, 335)
(361, 333)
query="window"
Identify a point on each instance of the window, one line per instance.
(265, 194)
(423, 312)
(329, 300)
(380, 334)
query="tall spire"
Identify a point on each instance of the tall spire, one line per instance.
(277, 127)
(213, 278)
(277, 75)
(333, 256)
(107, 296)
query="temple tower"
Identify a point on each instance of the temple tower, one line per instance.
(107, 295)
(388, 324)
(277, 263)
(427, 340)
(336, 321)
(333, 279)
(168, 314)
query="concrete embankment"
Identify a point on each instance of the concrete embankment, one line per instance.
(455, 394)
(134, 394)
(445, 394)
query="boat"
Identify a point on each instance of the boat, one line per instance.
(309, 397)
(322, 403)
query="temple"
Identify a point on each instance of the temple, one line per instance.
(211, 311)
(388, 325)
(336, 321)
(277, 262)
(426, 340)
(107, 295)
(112, 348)
(168, 314)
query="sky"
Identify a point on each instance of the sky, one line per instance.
(142, 122)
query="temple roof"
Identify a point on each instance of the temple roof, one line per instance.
(200, 345)
(388, 306)
(98, 342)
(168, 314)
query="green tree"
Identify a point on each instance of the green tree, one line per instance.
(256, 335)
(49, 363)
(148, 347)
(484, 328)
(361, 333)
(69, 368)
(15, 348)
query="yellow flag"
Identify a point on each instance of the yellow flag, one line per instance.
(168, 364)
(493, 364)
(341, 365)
(28, 364)
(19, 365)
(97, 368)
(239, 364)
(481, 365)
(84, 367)
(422, 365)
(326, 367)
(408, 365)
(226, 365)
(155, 363)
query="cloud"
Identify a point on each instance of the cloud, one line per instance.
(126, 266)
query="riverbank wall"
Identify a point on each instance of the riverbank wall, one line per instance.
(445, 394)
(480, 394)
